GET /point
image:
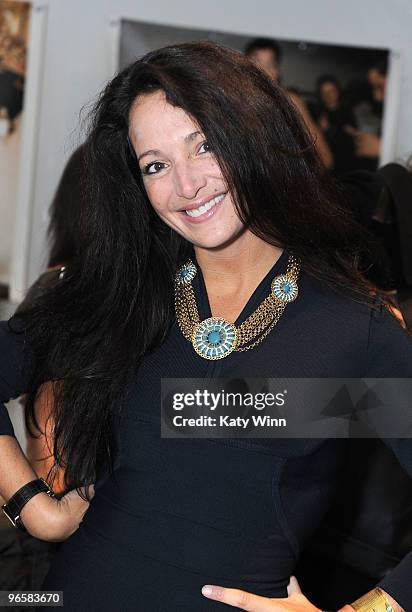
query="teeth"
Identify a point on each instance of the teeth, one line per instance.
(196, 212)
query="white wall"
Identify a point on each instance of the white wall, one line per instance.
(79, 59)
(9, 156)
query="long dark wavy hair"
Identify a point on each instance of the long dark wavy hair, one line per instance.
(91, 330)
(63, 231)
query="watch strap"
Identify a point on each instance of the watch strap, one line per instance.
(16, 503)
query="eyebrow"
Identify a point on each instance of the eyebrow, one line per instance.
(187, 139)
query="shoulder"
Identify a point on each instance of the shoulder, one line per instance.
(389, 346)
(325, 304)
(370, 329)
(15, 357)
(40, 286)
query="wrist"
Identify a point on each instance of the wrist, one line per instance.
(375, 600)
(40, 517)
(16, 503)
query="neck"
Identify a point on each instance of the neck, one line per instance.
(238, 264)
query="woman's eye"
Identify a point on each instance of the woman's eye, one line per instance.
(204, 147)
(153, 168)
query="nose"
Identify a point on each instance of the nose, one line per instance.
(188, 179)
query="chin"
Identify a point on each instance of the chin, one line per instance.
(217, 242)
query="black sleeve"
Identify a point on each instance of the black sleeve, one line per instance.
(390, 356)
(15, 363)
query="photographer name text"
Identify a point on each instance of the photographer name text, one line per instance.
(226, 421)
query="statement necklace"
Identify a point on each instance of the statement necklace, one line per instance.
(216, 338)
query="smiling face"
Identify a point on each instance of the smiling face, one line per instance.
(182, 178)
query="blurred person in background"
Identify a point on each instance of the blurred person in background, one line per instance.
(367, 103)
(353, 149)
(334, 118)
(266, 54)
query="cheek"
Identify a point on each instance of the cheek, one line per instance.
(212, 169)
(157, 195)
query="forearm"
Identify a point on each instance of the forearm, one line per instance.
(38, 515)
(15, 470)
(321, 144)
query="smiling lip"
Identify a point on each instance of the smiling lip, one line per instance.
(207, 214)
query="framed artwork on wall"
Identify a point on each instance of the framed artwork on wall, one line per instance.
(14, 36)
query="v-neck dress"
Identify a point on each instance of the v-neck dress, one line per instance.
(180, 513)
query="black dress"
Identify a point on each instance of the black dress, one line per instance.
(181, 513)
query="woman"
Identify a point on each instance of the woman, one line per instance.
(337, 122)
(193, 154)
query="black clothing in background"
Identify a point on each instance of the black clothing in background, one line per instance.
(340, 142)
(181, 513)
(382, 203)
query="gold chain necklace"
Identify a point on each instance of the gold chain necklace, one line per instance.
(216, 338)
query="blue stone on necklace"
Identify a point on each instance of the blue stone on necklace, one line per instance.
(214, 337)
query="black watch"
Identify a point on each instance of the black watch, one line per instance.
(16, 503)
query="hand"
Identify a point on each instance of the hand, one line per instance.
(366, 145)
(324, 123)
(55, 520)
(295, 602)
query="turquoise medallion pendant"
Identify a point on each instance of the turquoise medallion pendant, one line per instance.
(214, 338)
(284, 288)
(186, 273)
